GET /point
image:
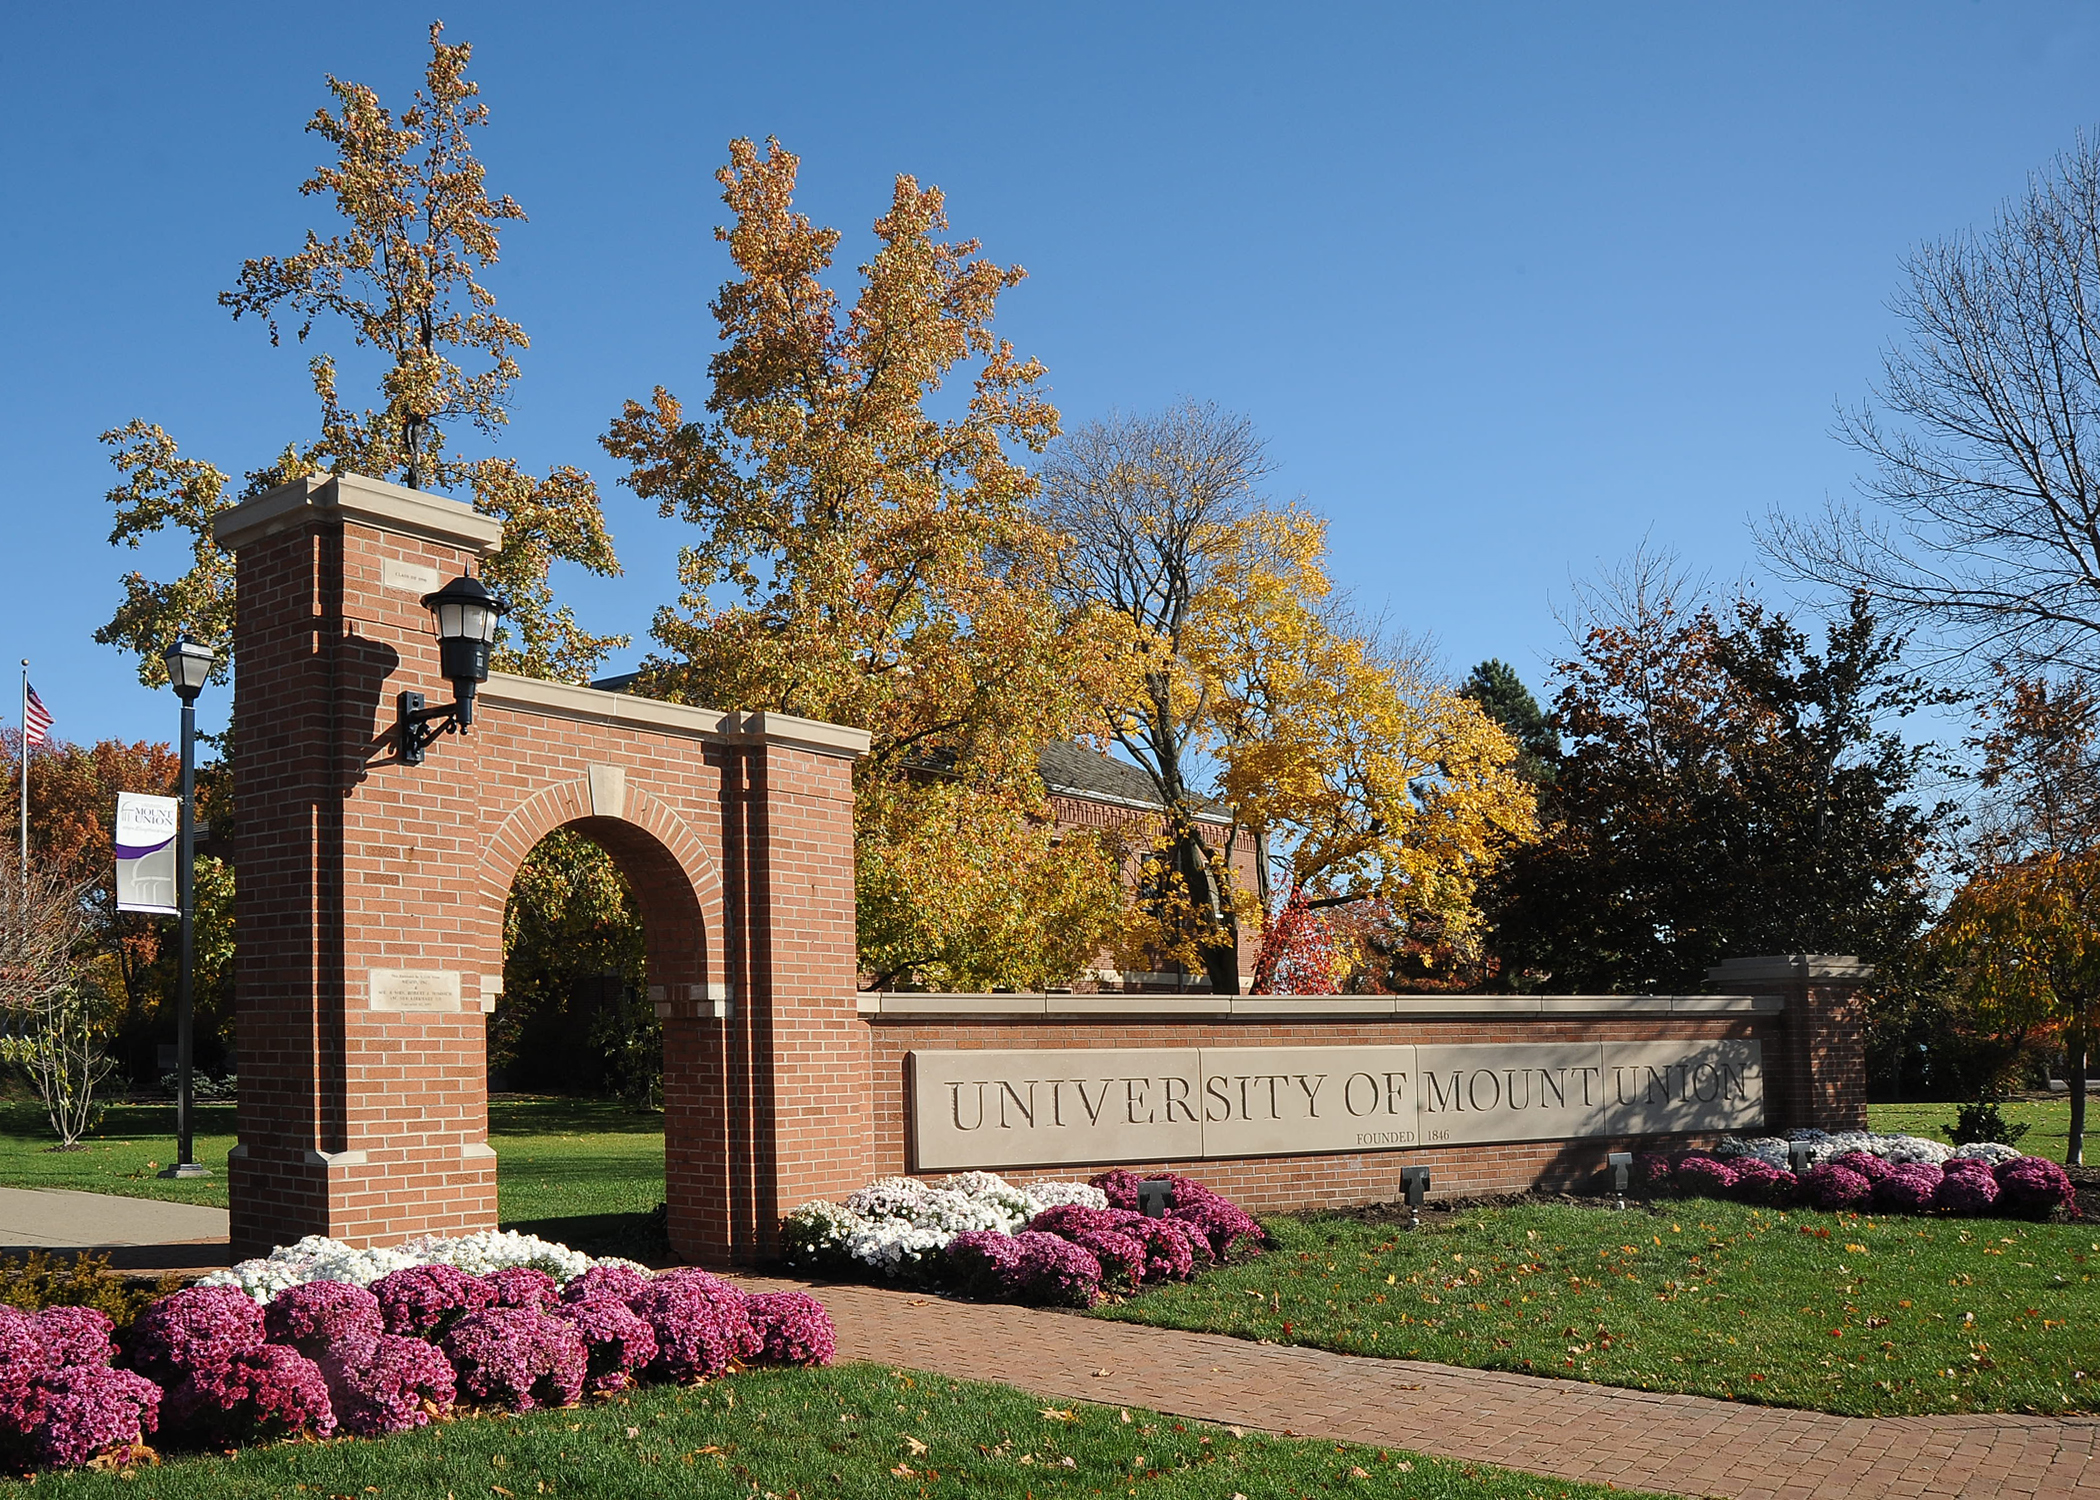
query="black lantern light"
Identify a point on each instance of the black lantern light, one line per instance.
(188, 664)
(467, 614)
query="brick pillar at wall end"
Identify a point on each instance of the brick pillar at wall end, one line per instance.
(1818, 1077)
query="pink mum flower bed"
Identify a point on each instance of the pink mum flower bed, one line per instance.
(2024, 1187)
(207, 1366)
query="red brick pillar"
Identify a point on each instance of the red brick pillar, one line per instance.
(792, 1112)
(1816, 1078)
(362, 941)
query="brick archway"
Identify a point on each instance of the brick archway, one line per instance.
(371, 897)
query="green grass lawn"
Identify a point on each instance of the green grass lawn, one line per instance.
(555, 1158)
(857, 1430)
(1884, 1316)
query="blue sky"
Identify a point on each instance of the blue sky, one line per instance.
(1508, 288)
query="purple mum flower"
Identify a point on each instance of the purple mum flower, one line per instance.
(1654, 1172)
(1834, 1189)
(622, 1282)
(325, 1317)
(1049, 1270)
(522, 1286)
(1909, 1189)
(1758, 1181)
(265, 1392)
(1967, 1192)
(1701, 1176)
(517, 1357)
(423, 1301)
(1121, 1186)
(75, 1337)
(199, 1327)
(393, 1386)
(1865, 1163)
(978, 1260)
(793, 1328)
(619, 1339)
(84, 1411)
(699, 1322)
(2034, 1187)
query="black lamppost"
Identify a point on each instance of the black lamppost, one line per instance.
(188, 664)
(467, 614)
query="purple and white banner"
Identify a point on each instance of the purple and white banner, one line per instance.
(146, 832)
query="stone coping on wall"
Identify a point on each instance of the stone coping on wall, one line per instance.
(564, 700)
(892, 1006)
(354, 497)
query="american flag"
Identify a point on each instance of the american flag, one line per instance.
(36, 719)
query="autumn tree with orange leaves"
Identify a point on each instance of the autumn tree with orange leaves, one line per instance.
(859, 559)
(2022, 936)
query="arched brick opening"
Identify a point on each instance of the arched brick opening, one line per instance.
(370, 906)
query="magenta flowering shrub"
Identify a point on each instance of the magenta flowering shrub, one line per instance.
(618, 1341)
(622, 1282)
(196, 1328)
(1703, 1177)
(1865, 1163)
(1909, 1189)
(21, 1346)
(1758, 1181)
(977, 1261)
(517, 1357)
(1966, 1192)
(1835, 1188)
(424, 1301)
(1120, 1184)
(1653, 1172)
(699, 1322)
(2033, 1186)
(268, 1391)
(1052, 1271)
(75, 1336)
(792, 1328)
(1122, 1256)
(522, 1286)
(77, 1413)
(325, 1317)
(394, 1384)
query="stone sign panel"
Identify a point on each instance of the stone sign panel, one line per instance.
(1050, 1107)
(414, 989)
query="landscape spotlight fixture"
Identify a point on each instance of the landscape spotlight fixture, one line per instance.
(1155, 1197)
(1620, 1162)
(1802, 1155)
(1416, 1181)
(467, 614)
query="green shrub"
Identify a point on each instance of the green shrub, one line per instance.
(40, 1281)
(1982, 1121)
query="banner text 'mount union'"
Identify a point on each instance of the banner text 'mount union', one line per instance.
(1044, 1108)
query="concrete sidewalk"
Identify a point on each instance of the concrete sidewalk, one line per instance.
(1685, 1445)
(143, 1233)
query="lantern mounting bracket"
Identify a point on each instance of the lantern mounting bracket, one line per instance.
(421, 725)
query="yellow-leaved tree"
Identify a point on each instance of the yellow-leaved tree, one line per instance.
(1342, 762)
(401, 276)
(858, 558)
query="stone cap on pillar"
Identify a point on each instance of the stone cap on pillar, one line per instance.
(370, 502)
(1790, 968)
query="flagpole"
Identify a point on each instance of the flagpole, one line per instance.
(25, 788)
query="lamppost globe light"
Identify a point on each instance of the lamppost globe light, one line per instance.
(189, 667)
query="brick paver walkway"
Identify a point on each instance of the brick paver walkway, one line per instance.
(1684, 1445)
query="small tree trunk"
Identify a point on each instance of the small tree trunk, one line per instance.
(2074, 1070)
